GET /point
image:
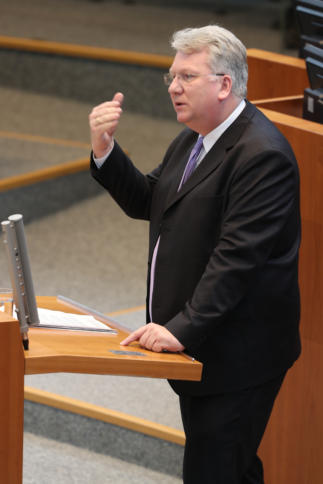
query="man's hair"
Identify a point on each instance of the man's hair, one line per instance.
(227, 53)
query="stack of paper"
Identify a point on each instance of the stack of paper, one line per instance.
(77, 322)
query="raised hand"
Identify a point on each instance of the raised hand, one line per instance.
(103, 121)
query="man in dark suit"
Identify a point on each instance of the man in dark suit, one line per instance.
(223, 253)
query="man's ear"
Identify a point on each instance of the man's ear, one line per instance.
(225, 87)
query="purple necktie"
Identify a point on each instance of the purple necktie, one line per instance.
(189, 168)
(191, 164)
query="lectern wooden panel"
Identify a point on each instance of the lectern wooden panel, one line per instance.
(275, 75)
(85, 352)
(292, 448)
(11, 400)
(53, 350)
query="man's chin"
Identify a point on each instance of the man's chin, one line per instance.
(182, 118)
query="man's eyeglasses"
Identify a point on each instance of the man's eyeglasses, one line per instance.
(186, 78)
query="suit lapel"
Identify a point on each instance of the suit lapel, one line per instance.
(213, 159)
(177, 169)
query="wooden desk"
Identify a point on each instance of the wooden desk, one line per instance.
(292, 448)
(67, 351)
(275, 75)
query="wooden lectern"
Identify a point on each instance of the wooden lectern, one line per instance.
(293, 445)
(54, 350)
(292, 448)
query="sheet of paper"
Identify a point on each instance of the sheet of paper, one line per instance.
(61, 319)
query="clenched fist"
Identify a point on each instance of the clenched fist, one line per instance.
(104, 120)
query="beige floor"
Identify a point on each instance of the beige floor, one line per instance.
(140, 26)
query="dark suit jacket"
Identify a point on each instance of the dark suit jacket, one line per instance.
(226, 278)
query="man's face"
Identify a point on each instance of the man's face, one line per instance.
(195, 102)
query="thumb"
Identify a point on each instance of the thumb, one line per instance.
(118, 97)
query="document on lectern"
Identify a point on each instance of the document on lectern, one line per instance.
(76, 322)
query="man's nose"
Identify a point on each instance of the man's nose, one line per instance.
(175, 86)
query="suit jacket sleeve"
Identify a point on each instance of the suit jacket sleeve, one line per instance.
(131, 189)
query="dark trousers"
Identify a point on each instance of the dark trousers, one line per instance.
(223, 433)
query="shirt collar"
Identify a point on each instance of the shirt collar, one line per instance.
(215, 134)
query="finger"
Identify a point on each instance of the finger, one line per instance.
(129, 339)
(147, 340)
(157, 347)
(108, 124)
(103, 117)
(149, 336)
(105, 108)
(134, 336)
(117, 100)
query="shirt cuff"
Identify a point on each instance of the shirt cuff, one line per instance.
(99, 161)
